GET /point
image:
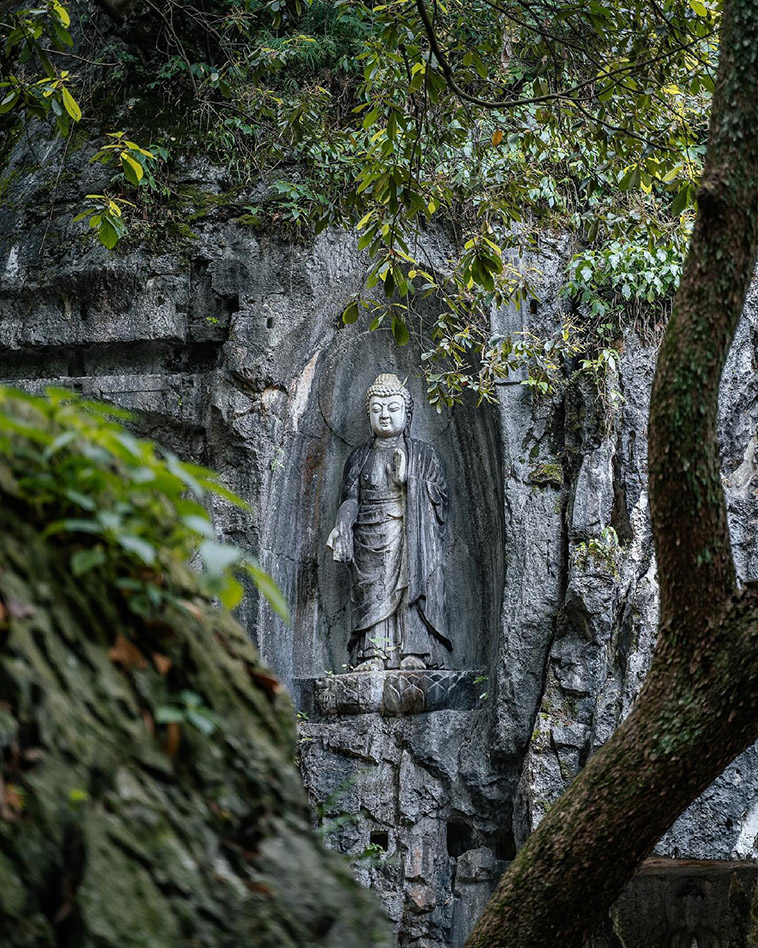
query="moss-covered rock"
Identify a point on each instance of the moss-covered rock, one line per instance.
(111, 833)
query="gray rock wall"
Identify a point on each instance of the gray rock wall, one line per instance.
(233, 353)
(605, 627)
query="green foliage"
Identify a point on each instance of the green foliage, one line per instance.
(105, 216)
(624, 277)
(188, 707)
(539, 360)
(549, 474)
(130, 155)
(480, 680)
(138, 167)
(373, 854)
(124, 505)
(29, 38)
(330, 814)
(602, 551)
(498, 121)
(31, 84)
(623, 111)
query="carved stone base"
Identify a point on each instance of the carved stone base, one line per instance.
(672, 902)
(396, 692)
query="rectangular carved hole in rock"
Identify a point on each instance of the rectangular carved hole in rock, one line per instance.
(76, 364)
(533, 307)
(505, 845)
(460, 838)
(377, 838)
(231, 303)
(270, 322)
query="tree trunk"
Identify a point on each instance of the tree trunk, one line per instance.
(699, 707)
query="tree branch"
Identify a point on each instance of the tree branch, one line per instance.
(449, 75)
(567, 94)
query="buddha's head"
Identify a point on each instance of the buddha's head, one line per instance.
(389, 405)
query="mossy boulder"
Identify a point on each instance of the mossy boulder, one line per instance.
(117, 830)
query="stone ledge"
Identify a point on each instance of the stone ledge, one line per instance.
(397, 692)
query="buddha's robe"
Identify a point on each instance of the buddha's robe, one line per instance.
(398, 594)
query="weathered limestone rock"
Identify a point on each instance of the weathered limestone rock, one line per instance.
(413, 785)
(396, 692)
(672, 903)
(233, 352)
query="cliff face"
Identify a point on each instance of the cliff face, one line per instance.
(231, 349)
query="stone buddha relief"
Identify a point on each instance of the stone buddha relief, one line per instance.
(390, 531)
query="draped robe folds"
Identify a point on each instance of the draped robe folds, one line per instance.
(397, 567)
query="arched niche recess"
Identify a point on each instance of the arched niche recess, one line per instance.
(305, 492)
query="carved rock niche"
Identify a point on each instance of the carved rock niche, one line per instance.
(467, 440)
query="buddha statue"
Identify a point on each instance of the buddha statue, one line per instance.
(390, 530)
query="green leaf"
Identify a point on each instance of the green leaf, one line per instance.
(62, 12)
(73, 525)
(132, 169)
(70, 104)
(62, 35)
(389, 284)
(202, 721)
(168, 714)
(141, 475)
(681, 200)
(191, 698)
(400, 331)
(141, 548)
(8, 102)
(350, 313)
(215, 487)
(107, 234)
(231, 593)
(84, 560)
(81, 500)
(218, 557)
(626, 182)
(59, 442)
(200, 524)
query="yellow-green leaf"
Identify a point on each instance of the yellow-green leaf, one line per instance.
(70, 104)
(132, 168)
(62, 13)
(268, 587)
(350, 315)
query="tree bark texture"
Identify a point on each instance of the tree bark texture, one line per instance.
(117, 831)
(699, 706)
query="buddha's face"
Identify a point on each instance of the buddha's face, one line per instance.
(386, 414)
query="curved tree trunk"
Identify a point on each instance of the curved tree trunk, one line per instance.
(699, 707)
